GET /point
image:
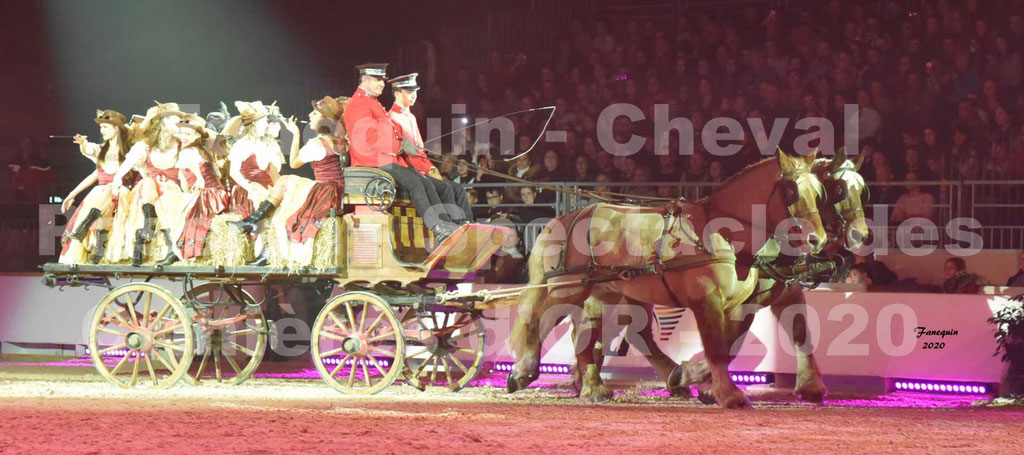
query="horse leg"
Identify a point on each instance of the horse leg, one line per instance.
(661, 362)
(809, 385)
(590, 351)
(711, 324)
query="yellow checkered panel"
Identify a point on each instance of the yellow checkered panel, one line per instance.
(408, 234)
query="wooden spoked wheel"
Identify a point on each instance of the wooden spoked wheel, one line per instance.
(233, 334)
(357, 344)
(444, 349)
(141, 336)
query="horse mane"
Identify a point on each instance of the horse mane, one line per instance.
(742, 172)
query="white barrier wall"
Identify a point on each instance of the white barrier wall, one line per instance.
(856, 333)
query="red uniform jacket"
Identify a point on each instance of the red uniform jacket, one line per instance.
(374, 140)
(411, 131)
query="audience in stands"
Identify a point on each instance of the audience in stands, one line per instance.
(1017, 280)
(959, 280)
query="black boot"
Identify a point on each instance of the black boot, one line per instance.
(139, 249)
(170, 257)
(249, 225)
(83, 227)
(442, 230)
(99, 248)
(149, 225)
(262, 260)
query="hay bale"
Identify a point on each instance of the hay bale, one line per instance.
(324, 245)
(225, 245)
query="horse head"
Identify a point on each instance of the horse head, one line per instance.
(798, 191)
(845, 191)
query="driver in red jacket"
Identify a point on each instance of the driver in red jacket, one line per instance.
(375, 141)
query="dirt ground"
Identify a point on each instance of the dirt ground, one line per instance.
(54, 408)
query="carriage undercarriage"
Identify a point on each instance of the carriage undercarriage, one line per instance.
(367, 335)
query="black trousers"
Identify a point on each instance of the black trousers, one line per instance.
(455, 195)
(423, 194)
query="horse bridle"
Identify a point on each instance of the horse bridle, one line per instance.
(790, 194)
(837, 192)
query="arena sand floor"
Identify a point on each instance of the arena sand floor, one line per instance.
(52, 407)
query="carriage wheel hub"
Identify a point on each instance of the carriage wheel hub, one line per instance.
(353, 345)
(138, 340)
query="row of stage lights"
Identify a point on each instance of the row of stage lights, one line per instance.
(900, 385)
(383, 362)
(906, 385)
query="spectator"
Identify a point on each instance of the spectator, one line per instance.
(1017, 280)
(583, 169)
(858, 275)
(30, 173)
(528, 194)
(495, 197)
(877, 271)
(959, 280)
(551, 170)
(507, 265)
(914, 203)
(462, 174)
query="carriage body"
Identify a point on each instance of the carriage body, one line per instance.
(391, 314)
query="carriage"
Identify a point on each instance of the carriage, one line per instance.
(396, 310)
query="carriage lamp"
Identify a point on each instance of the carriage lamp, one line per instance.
(942, 387)
(545, 368)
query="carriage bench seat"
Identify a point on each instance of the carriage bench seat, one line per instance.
(409, 237)
(358, 180)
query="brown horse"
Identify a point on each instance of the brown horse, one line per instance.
(843, 217)
(844, 189)
(577, 253)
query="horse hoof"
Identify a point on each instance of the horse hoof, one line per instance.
(680, 392)
(511, 384)
(704, 394)
(812, 395)
(675, 378)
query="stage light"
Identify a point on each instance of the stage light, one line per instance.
(752, 378)
(945, 387)
(542, 369)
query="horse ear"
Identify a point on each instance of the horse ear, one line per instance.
(788, 163)
(858, 161)
(838, 159)
(809, 159)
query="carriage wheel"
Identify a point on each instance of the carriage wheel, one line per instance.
(358, 343)
(149, 334)
(445, 349)
(234, 335)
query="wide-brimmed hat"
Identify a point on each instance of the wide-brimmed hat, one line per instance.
(110, 116)
(193, 121)
(160, 111)
(329, 107)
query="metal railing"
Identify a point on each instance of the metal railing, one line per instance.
(998, 206)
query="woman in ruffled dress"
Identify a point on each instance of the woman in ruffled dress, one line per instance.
(199, 177)
(87, 231)
(154, 199)
(302, 204)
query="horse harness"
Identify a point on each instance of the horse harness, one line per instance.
(673, 215)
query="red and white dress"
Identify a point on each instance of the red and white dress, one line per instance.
(256, 159)
(158, 165)
(99, 197)
(307, 203)
(206, 198)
